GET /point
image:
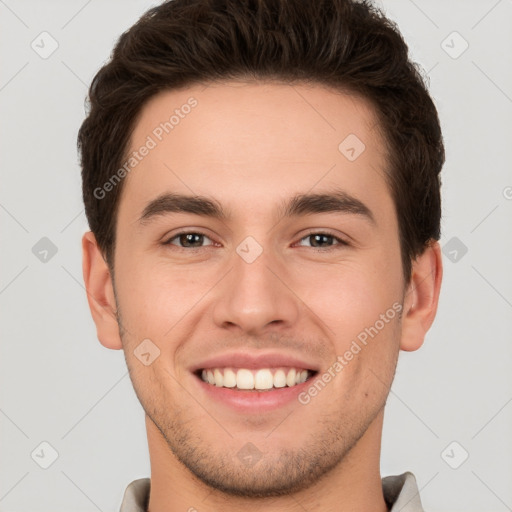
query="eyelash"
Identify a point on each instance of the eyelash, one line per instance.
(340, 242)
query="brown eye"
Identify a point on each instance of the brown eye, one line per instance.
(323, 240)
(189, 240)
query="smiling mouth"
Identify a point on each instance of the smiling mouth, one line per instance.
(263, 379)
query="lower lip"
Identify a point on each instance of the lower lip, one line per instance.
(254, 401)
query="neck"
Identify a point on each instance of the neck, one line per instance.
(353, 485)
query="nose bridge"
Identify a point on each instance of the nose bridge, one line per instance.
(252, 295)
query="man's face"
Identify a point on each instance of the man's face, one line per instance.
(259, 281)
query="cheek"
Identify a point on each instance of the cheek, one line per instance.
(352, 295)
(153, 297)
(368, 353)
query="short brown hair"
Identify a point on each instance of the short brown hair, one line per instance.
(346, 44)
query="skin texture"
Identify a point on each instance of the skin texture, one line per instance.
(251, 146)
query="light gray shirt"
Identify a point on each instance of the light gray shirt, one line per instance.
(400, 493)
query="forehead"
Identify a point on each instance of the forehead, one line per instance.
(233, 138)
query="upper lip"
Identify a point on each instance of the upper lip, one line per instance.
(254, 361)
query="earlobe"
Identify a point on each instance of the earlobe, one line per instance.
(422, 297)
(100, 292)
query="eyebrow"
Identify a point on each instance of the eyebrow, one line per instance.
(337, 201)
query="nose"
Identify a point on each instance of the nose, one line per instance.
(256, 296)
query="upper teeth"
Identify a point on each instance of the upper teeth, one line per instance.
(254, 379)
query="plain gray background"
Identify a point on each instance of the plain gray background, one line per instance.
(450, 400)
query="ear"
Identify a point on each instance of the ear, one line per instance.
(100, 292)
(421, 297)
